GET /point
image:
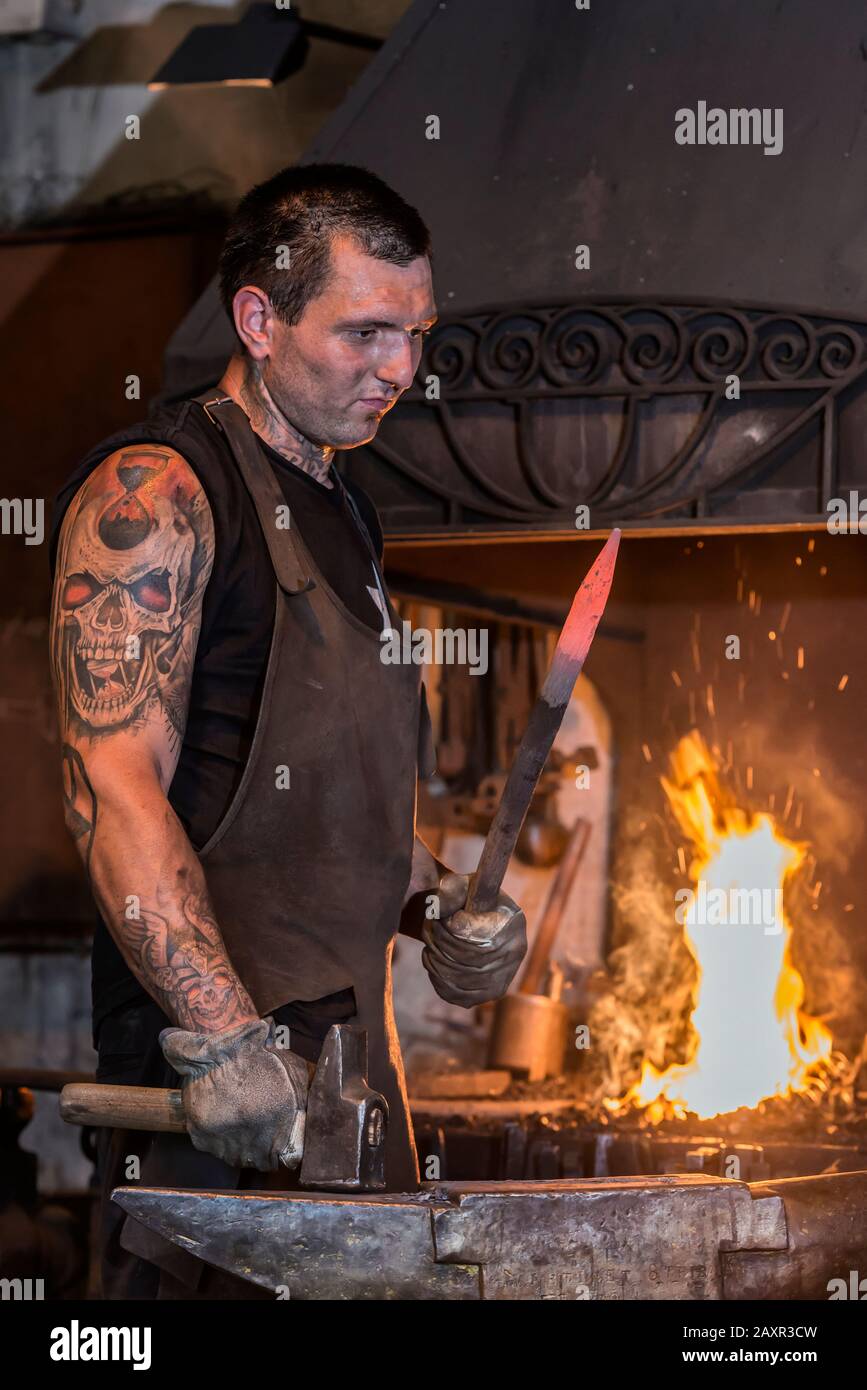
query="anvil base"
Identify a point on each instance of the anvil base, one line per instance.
(675, 1237)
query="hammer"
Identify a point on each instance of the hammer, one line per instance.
(344, 1137)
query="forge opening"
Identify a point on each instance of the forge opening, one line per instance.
(707, 956)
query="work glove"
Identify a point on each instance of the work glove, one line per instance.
(244, 1097)
(472, 957)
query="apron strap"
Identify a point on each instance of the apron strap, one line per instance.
(263, 487)
(356, 514)
(388, 611)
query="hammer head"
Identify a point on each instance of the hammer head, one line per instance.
(344, 1140)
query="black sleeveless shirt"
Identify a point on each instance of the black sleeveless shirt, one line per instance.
(235, 636)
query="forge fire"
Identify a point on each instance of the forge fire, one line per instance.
(772, 1047)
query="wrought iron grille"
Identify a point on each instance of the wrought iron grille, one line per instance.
(644, 412)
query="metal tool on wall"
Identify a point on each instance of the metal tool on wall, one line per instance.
(528, 1034)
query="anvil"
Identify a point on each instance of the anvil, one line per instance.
(688, 1236)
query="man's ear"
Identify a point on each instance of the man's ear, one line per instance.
(253, 314)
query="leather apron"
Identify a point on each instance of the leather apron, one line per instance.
(308, 869)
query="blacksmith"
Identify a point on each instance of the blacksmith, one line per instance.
(240, 766)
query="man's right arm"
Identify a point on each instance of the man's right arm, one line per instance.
(135, 553)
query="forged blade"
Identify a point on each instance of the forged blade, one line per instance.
(546, 717)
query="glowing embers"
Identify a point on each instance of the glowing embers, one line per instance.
(751, 1038)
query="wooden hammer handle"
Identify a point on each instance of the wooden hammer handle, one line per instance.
(124, 1107)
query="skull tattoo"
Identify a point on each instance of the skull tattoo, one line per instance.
(130, 572)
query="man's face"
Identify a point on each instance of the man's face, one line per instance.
(356, 348)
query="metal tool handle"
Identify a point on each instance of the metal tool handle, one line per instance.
(539, 957)
(124, 1107)
(500, 841)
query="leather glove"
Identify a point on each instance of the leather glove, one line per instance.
(472, 957)
(244, 1097)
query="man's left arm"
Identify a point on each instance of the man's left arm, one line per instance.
(424, 882)
(471, 957)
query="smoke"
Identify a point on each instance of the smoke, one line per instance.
(651, 971)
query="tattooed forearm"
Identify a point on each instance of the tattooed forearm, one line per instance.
(135, 554)
(182, 961)
(151, 892)
(246, 385)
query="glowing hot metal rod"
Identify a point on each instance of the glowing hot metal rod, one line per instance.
(569, 656)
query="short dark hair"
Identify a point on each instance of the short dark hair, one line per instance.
(303, 208)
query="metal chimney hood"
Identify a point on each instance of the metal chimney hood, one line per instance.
(702, 365)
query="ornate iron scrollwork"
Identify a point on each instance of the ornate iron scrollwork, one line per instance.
(639, 410)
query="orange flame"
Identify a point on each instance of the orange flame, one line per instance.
(752, 1039)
